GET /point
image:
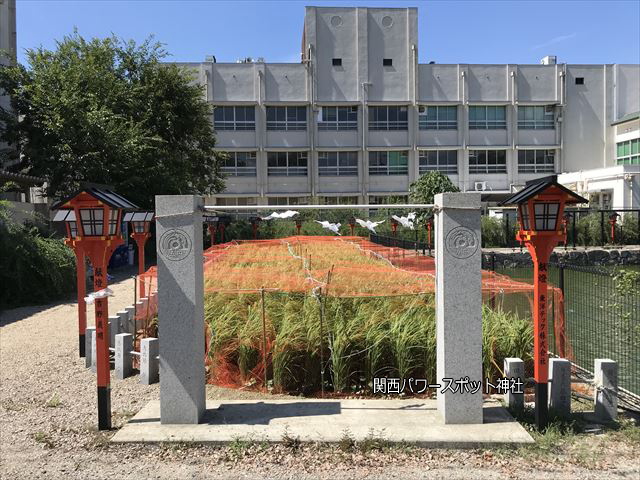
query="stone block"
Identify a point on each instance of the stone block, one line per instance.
(560, 386)
(149, 364)
(606, 389)
(514, 368)
(94, 352)
(131, 319)
(114, 329)
(123, 357)
(180, 308)
(123, 317)
(458, 304)
(89, 342)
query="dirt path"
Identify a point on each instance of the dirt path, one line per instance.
(48, 418)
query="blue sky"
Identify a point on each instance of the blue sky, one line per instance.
(449, 31)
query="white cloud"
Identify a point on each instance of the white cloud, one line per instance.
(555, 40)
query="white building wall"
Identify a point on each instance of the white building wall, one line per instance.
(582, 139)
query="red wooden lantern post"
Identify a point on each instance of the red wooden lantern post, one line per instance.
(98, 233)
(352, 225)
(394, 226)
(69, 217)
(429, 226)
(540, 207)
(255, 225)
(141, 226)
(298, 225)
(613, 219)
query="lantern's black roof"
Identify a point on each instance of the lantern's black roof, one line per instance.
(105, 195)
(534, 187)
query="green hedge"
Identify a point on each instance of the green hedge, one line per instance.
(33, 269)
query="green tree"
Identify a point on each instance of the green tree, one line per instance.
(429, 184)
(108, 111)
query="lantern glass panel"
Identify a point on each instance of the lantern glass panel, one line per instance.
(139, 227)
(73, 229)
(91, 219)
(546, 216)
(113, 221)
(524, 216)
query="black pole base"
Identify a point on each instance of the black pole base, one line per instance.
(82, 346)
(542, 405)
(104, 408)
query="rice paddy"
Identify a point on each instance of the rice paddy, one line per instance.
(326, 314)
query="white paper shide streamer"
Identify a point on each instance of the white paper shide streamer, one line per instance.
(92, 297)
(334, 227)
(368, 224)
(287, 214)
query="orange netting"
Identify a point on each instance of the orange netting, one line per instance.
(345, 266)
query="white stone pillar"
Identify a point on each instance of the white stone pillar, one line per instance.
(606, 389)
(114, 329)
(180, 308)
(514, 368)
(149, 368)
(458, 304)
(89, 342)
(123, 357)
(560, 386)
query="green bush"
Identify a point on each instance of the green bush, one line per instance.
(33, 269)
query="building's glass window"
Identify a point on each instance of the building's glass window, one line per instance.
(487, 117)
(628, 153)
(287, 118)
(338, 118)
(288, 201)
(388, 118)
(337, 164)
(438, 117)
(234, 118)
(536, 161)
(487, 161)
(387, 199)
(536, 117)
(287, 164)
(388, 163)
(234, 201)
(339, 200)
(240, 164)
(445, 161)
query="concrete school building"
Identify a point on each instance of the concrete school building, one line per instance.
(358, 118)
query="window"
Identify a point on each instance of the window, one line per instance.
(628, 153)
(388, 118)
(579, 80)
(387, 62)
(234, 201)
(287, 118)
(287, 164)
(337, 164)
(438, 118)
(387, 199)
(388, 163)
(288, 201)
(336, 62)
(487, 118)
(240, 164)
(536, 161)
(445, 161)
(487, 161)
(546, 215)
(338, 118)
(536, 117)
(339, 200)
(234, 118)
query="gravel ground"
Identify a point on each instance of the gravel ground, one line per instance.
(48, 418)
